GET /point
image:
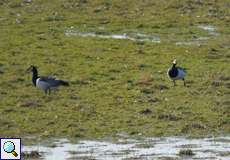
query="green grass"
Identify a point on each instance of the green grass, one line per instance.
(114, 81)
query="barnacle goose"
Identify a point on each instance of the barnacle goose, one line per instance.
(176, 73)
(45, 83)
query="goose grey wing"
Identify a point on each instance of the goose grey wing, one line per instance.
(50, 80)
(180, 68)
(47, 79)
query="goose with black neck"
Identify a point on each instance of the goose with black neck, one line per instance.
(176, 73)
(45, 83)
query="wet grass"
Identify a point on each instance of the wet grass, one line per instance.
(186, 152)
(116, 85)
(31, 155)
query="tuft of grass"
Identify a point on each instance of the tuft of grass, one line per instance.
(146, 111)
(31, 155)
(186, 152)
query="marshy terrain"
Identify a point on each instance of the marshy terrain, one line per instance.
(161, 148)
(115, 54)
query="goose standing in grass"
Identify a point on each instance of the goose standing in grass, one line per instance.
(176, 73)
(45, 83)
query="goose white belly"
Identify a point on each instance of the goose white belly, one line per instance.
(42, 85)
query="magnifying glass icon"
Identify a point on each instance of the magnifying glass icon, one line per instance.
(9, 147)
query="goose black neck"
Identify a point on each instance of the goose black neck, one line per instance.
(173, 72)
(174, 66)
(35, 75)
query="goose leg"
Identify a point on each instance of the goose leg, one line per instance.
(174, 82)
(49, 91)
(184, 82)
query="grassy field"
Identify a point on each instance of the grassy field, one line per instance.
(116, 85)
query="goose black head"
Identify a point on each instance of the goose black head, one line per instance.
(32, 68)
(34, 71)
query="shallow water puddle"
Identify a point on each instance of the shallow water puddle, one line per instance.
(200, 40)
(148, 148)
(131, 36)
(142, 37)
(209, 28)
(196, 41)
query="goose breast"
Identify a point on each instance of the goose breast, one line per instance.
(181, 74)
(42, 84)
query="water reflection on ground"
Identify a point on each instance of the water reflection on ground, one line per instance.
(125, 148)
